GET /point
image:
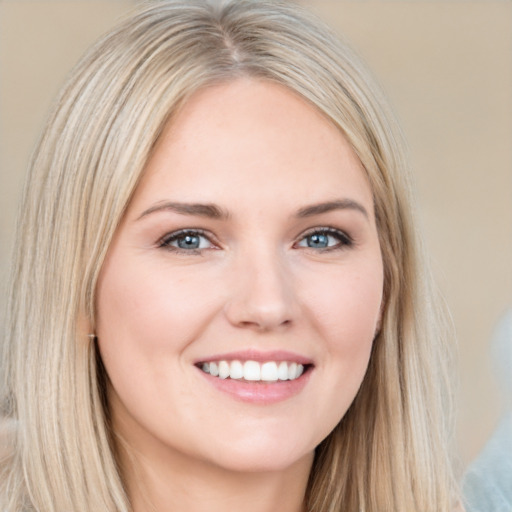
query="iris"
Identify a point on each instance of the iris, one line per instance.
(318, 240)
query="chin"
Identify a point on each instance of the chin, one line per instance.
(268, 464)
(261, 457)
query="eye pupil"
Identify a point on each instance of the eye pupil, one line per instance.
(318, 240)
(188, 242)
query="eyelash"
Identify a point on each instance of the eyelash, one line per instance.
(344, 240)
(165, 241)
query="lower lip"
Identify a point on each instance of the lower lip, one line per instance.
(263, 393)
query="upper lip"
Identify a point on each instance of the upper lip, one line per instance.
(259, 356)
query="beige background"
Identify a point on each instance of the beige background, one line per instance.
(447, 67)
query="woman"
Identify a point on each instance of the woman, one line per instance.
(217, 299)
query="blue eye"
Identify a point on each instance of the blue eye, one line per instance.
(186, 241)
(318, 240)
(325, 239)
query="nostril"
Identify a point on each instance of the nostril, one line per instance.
(262, 296)
(264, 325)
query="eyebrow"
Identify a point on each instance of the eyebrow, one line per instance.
(208, 210)
(212, 211)
(338, 204)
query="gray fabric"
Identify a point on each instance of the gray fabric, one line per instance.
(487, 485)
(488, 482)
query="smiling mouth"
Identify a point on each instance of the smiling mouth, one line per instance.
(254, 371)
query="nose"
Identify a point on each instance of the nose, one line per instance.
(263, 297)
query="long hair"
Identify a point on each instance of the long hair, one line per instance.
(388, 453)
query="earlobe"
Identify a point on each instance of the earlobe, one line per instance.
(85, 328)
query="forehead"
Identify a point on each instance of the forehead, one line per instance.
(256, 139)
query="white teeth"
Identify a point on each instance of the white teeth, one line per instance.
(254, 371)
(269, 372)
(282, 371)
(223, 369)
(214, 369)
(236, 370)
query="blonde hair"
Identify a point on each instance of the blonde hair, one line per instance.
(388, 453)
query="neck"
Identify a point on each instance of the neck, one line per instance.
(184, 485)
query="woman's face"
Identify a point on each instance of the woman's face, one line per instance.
(250, 249)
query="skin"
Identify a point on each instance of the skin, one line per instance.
(262, 155)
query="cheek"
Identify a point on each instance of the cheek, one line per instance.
(346, 305)
(345, 309)
(146, 320)
(342, 305)
(149, 305)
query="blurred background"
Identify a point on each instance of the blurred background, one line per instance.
(446, 66)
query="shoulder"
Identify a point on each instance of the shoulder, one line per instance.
(486, 485)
